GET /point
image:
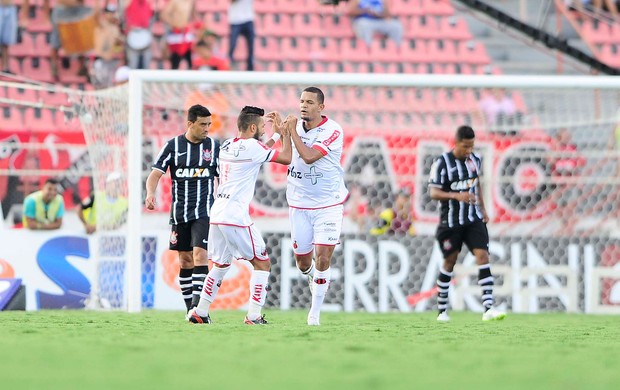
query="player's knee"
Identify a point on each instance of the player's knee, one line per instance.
(261, 265)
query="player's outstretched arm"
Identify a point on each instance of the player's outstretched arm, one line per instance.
(151, 186)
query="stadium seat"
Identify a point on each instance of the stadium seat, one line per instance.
(338, 26)
(307, 25)
(266, 48)
(454, 28)
(13, 121)
(324, 49)
(473, 53)
(423, 27)
(40, 119)
(436, 7)
(295, 49)
(596, 32)
(405, 8)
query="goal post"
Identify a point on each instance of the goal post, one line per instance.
(522, 179)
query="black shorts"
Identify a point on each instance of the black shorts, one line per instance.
(186, 236)
(475, 236)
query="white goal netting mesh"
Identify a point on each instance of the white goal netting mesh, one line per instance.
(551, 165)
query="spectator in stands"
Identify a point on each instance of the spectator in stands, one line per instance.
(121, 76)
(8, 29)
(373, 16)
(178, 15)
(109, 43)
(44, 209)
(62, 12)
(496, 110)
(108, 208)
(138, 21)
(212, 39)
(397, 219)
(241, 20)
(610, 6)
(206, 60)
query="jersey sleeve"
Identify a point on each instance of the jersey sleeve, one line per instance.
(478, 162)
(88, 201)
(438, 174)
(263, 153)
(61, 208)
(332, 139)
(164, 158)
(30, 208)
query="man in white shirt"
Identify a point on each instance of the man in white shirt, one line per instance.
(316, 193)
(232, 232)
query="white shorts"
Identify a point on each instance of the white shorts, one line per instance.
(235, 242)
(315, 227)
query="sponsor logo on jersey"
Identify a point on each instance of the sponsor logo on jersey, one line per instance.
(192, 172)
(332, 138)
(463, 184)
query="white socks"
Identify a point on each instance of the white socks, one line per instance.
(310, 271)
(320, 284)
(212, 284)
(258, 293)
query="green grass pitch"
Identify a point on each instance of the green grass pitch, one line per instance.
(159, 350)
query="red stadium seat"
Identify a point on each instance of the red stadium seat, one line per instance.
(454, 28)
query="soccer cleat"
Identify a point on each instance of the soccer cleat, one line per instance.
(313, 321)
(443, 317)
(493, 314)
(196, 319)
(259, 321)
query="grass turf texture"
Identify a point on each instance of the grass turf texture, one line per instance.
(158, 349)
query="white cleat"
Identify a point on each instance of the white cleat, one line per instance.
(313, 321)
(493, 314)
(443, 317)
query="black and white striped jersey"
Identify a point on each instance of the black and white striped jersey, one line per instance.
(193, 169)
(453, 175)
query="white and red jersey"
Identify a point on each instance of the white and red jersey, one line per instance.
(240, 162)
(320, 184)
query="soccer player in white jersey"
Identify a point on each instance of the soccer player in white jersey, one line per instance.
(315, 194)
(232, 232)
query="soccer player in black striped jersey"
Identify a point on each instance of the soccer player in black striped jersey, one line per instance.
(192, 158)
(455, 182)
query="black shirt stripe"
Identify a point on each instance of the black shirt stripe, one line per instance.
(193, 168)
(453, 175)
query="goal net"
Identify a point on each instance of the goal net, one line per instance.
(551, 180)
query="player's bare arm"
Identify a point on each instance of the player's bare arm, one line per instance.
(439, 194)
(151, 186)
(480, 200)
(309, 155)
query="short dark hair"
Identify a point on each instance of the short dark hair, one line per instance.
(249, 115)
(52, 181)
(465, 132)
(197, 111)
(320, 96)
